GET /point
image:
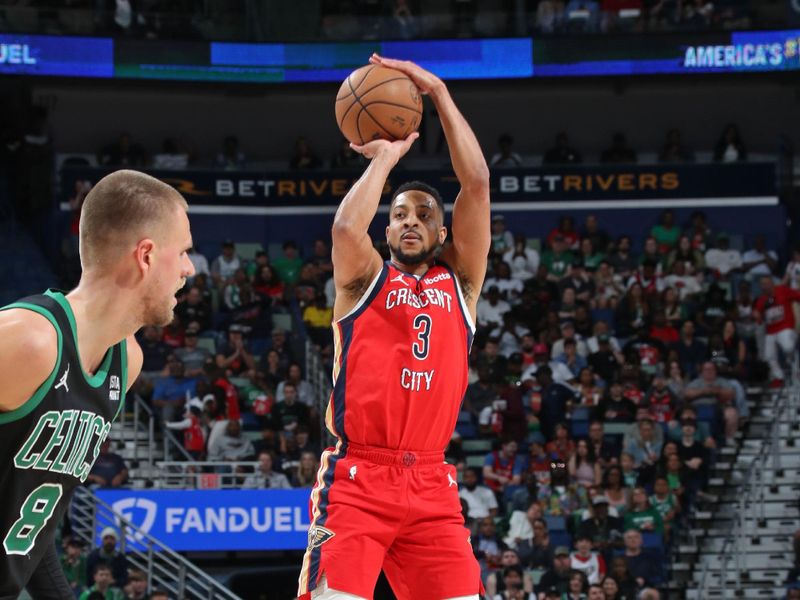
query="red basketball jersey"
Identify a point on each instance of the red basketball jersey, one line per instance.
(401, 364)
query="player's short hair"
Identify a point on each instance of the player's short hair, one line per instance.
(420, 186)
(122, 205)
(101, 567)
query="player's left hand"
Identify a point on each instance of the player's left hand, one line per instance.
(426, 81)
(396, 149)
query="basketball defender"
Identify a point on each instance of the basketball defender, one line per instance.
(384, 497)
(66, 362)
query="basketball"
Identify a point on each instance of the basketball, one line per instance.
(376, 102)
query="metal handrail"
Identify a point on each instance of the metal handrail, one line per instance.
(164, 567)
(191, 474)
(733, 547)
(321, 383)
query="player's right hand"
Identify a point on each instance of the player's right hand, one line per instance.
(394, 150)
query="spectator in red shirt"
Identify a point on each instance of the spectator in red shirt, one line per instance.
(774, 308)
(502, 467)
(566, 229)
(660, 401)
(194, 439)
(663, 330)
(561, 447)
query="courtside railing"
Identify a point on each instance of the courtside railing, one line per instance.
(205, 474)
(164, 568)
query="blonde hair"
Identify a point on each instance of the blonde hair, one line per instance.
(121, 206)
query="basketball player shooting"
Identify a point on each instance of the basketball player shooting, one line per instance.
(66, 362)
(384, 497)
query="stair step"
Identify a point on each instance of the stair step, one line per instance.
(775, 561)
(127, 434)
(767, 544)
(775, 510)
(717, 594)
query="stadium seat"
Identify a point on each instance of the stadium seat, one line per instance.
(616, 428)
(282, 321)
(464, 416)
(239, 382)
(508, 492)
(603, 314)
(207, 343)
(580, 428)
(477, 446)
(560, 538)
(475, 461)
(466, 430)
(652, 540)
(705, 412)
(251, 423)
(536, 575)
(582, 413)
(275, 251)
(555, 523)
(258, 345)
(248, 250)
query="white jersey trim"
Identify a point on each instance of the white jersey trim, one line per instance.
(364, 297)
(463, 303)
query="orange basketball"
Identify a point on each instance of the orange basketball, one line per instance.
(376, 102)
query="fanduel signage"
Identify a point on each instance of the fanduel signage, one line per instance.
(50, 55)
(216, 519)
(16, 54)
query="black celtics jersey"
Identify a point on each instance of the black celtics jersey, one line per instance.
(49, 444)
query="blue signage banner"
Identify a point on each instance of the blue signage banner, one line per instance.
(674, 53)
(200, 520)
(731, 52)
(51, 55)
(450, 59)
(321, 191)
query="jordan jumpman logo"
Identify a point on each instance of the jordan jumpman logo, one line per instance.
(63, 381)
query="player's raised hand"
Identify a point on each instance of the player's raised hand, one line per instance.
(426, 81)
(395, 150)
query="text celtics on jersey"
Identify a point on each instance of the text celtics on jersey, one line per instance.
(66, 442)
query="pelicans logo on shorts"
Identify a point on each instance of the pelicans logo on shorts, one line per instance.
(318, 535)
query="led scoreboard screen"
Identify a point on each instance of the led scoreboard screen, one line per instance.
(505, 58)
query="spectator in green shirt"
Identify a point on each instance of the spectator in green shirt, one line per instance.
(102, 584)
(254, 266)
(642, 515)
(288, 266)
(665, 502)
(73, 561)
(558, 259)
(666, 232)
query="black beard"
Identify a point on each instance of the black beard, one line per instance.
(413, 260)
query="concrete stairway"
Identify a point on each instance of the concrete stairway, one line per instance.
(744, 542)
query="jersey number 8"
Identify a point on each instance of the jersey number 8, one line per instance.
(33, 516)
